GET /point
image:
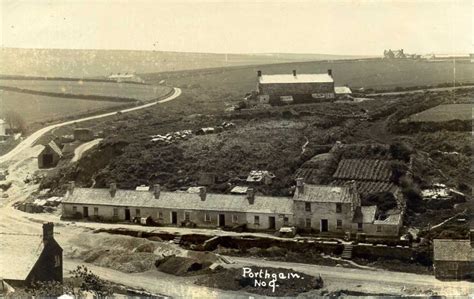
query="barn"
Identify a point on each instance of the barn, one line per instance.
(295, 87)
(50, 155)
(453, 259)
(35, 258)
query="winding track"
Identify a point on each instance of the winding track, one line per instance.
(30, 140)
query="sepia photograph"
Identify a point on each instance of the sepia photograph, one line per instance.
(236, 148)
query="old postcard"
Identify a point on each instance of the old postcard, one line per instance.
(236, 148)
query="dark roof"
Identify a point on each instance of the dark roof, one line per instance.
(19, 254)
(363, 169)
(369, 187)
(181, 200)
(323, 193)
(452, 250)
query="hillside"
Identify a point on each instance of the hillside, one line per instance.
(94, 63)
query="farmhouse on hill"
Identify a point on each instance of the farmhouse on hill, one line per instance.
(31, 258)
(294, 87)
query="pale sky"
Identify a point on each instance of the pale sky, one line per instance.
(329, 27)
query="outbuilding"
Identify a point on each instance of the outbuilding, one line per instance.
(83, 134)
(454, 259)
(50, 155)
(29, 258)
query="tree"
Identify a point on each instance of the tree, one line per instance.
(15, 121)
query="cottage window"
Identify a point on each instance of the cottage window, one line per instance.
(57, 261)
(285, 221)
(338, 208)
(379, 228)
(235, 219)
(359, 226)
(115, 212)
(74, 209)
(137, 212)
(96, 211)
(187, 216)
(307, 206)
(160, 215)
(339, 224)
(308, 222)
(256, 220)
(207, 217)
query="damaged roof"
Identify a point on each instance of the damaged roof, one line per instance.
(452, 250)
(299, 78)
(20, 254)
(181, 201)
(323, 193)
(369, 187)
(364, 169)
(365, 214)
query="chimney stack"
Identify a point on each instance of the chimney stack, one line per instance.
(251, 195)
(259, 73)
(300, 185)
(156, 190)
(70, 187)
(113, 189)
(202, 193)
(330, 72)
(294, 73)
(48, 231)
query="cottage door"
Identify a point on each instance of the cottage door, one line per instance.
(221, 220)
(271, 222)
(85, 211)
(127, 214)
(324, 225)
(174, 218)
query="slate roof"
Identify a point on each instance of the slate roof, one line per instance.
(452, 250)
(369, 187)
(323, 193)
(363, 169)
(18, 255)
(342, 90)
(181, 201)
(299, 78)
(55, 148)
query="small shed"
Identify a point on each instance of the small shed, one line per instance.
(83, 134)
(453, 259)
(342, 90)
(49, 156)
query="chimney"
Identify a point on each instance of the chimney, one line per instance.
(300, 185)
(251, 195)
(156, 190)
(48, 232)
(70, 187)
(259, 73)
(330, 72)
(294, 73)
(202, 193)
(113, 189)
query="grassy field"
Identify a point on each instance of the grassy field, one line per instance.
(443, 113)
(378, 74)
(110, 89)
(93, 63)
(34, 108)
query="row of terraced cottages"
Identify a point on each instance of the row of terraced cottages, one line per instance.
(314, 208)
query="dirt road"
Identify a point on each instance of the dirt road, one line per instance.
(30, 140)
(369, 281)
(81, 149)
